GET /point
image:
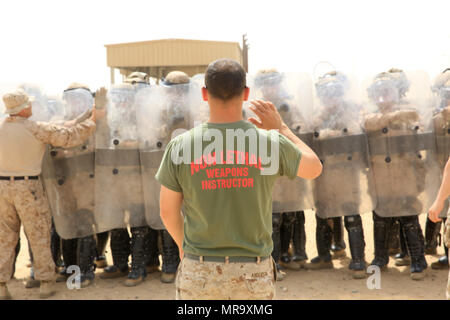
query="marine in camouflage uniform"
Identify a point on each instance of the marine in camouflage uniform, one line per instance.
(22, 198)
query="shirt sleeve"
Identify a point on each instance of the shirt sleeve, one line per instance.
(60, 135)
(167, 173)
(290, 156)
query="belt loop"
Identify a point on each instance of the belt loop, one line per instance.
(258, 260)
(26, 178)
(11, 179)
(200, 258)
(227, 260)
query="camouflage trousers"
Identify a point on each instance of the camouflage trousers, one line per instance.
(24, 202)
(448, 287)
(225, 281)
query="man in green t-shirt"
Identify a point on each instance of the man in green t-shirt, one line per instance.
(223, 173)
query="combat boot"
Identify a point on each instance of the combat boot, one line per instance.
(47, 289)
(442, 263)
(138, 272)
(170, 258)
(120, 250)
(55, 247)
(286, 230)
(276, 237)
(100, 259)
(69, 253)
(381, 227)
(338, 244)
(354, 227)
(394, 242)
(32, 282)
(4, 292)
(402, 258)
(152, 250)
(415, 243)
(299, 240)
(101, 262)
(280, 273)
(323, 243)
(432, 236)
(86, 255)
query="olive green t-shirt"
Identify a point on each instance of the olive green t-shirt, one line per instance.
(227, 189)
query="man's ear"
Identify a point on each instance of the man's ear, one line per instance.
(205, 94)
(246, 93)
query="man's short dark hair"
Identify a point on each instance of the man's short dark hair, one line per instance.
(225, 79)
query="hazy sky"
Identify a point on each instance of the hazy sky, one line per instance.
(57, 42)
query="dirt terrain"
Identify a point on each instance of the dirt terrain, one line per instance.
(325, 284)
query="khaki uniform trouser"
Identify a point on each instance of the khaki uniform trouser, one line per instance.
(225, 281)
(24, 202)
(448, 287)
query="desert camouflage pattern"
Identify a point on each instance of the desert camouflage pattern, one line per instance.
(25, 202)
(447, 244)
(225, 281)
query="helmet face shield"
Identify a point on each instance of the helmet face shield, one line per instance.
(383, 92)
(330, 92)
(77, 101)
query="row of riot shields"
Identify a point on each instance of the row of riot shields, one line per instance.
(379, 149)
(109, 182)
(378, 146)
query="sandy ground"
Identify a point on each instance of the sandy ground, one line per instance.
(324, 284)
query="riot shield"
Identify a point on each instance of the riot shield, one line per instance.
(119, 200)
(200, 108)
(291, 93)
(339, 141)
(68, 175)
(45, 107)
(402, 147)
(441, 122)
(163, 113)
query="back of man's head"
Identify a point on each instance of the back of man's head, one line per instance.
(225, 79)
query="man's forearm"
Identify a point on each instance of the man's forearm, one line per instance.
(173, 221)
(444, 190)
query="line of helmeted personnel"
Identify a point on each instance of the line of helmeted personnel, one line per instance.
(383, 143)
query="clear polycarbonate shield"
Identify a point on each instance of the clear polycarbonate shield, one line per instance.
(163, 113)
(68, 175)
(200, 108)
(291, 93)
(345, 186)
(119, 199)
(45, 107)
(441, 121)
(402, 146)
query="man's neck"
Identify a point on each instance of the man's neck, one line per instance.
(225, 112)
